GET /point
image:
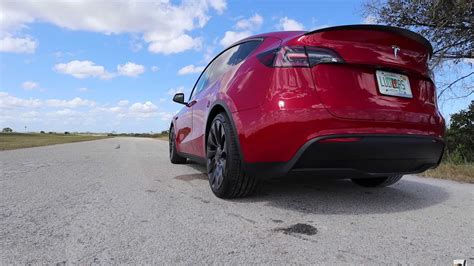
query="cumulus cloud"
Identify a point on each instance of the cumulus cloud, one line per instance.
(130, 69)
(83, 89)
(252, 23)
(289, 24)
(231, 37)
(8, 101)
(73, 103)
(82, 69)
(29, 85)
(190, 69)
(175, 45)
(87, 69)
(160, 23)
(154, 69)
(146, 107)
(75, 114)
(244, 28)
(18, 44)
(123, 103)
(175, 90)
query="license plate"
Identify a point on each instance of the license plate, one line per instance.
(393, 84)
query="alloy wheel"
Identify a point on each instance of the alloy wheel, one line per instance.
(216, 154)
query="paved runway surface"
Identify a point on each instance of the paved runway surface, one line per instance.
(91, 202)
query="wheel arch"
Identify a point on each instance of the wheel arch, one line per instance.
(217, 108)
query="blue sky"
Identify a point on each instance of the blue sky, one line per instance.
(114, 65)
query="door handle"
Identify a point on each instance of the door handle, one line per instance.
(191, 103)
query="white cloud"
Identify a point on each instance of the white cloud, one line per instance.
(370, 19)
(17, 44)
(79, 114)
(83, 89)
(8, 101)
(66, 113)
(142, 110)
(154, 69)
(190, 69)
(174, 45)
(231, 37)
(172, 92)
(289, 24)
(164, 20)
(82, 69)
(123, 103)
(166, 116)
(86, 69)
(29, 85)
(74, 103)
(245, 28)
(252, 23)
(130, 69)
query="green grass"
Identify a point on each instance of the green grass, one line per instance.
(11, 141)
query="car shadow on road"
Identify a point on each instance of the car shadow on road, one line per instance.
(308, 194)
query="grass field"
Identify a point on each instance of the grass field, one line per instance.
(10, 141)
(456, 172)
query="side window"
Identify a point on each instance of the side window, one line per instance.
(223, 63)
(201, 83)
(244, 50)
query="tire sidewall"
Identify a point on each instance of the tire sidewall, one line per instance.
(227, 182)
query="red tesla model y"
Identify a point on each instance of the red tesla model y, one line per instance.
(353, 102)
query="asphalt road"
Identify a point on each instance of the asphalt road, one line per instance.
(93, 202)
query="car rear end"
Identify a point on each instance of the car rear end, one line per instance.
(352, 100)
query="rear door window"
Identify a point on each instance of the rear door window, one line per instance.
(244, 50)
(223, 63)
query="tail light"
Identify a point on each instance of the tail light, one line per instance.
(339, 140)
(298, 56)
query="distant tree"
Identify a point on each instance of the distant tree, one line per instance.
(42, 132)
(66, 133)
(447, 24)
(7, 130)
(460, 135)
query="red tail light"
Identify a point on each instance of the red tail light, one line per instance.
(298, 56)
(333, 140)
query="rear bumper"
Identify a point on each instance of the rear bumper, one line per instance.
(357, 156)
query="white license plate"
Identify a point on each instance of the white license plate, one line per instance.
(393, 84)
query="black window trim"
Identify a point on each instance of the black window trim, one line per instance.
(261, 39)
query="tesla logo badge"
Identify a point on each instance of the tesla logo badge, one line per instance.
(395, 50)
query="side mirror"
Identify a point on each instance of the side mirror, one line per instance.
(179, 98)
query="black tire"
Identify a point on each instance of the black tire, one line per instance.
(174, 157)
(378, 181)
(224, 165)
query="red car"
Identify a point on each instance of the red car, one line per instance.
(353, 101)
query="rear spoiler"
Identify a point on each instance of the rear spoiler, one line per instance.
(406, 33)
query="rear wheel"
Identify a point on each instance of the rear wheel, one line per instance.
(224, 166)
(378, 181)
(174, 157)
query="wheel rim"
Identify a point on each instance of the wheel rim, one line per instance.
(216, 155)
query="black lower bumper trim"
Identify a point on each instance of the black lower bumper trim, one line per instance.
(365, 156)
